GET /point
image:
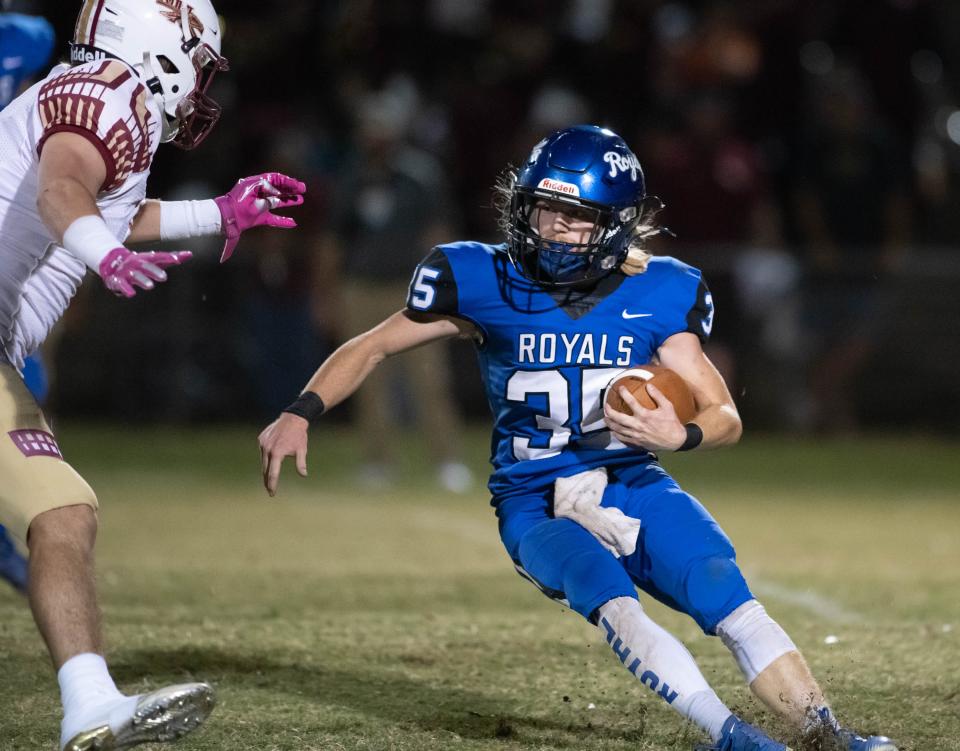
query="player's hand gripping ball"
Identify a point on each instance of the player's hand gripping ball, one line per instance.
(670, 384)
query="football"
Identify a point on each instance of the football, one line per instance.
(670, 384)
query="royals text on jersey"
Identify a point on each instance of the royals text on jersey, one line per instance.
(547, 358)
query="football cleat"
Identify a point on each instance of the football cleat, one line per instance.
(853, 742)
(13, 566)
(165, 715)
(850, 740)
(738, 735)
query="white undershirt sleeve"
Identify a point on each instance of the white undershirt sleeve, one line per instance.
(183, 219)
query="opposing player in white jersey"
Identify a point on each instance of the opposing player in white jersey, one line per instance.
(75, 153)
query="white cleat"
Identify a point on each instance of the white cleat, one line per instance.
(161, 716)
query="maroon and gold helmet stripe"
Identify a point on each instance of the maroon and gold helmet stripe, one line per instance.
(86, 29)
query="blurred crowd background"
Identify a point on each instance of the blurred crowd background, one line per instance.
(807, 152)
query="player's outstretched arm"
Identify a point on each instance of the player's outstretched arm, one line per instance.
(248, 204)
(71, 174)
(660, 429)
(340, 376)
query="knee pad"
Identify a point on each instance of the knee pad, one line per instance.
(714, 588)
(561, 557)
(754, 638)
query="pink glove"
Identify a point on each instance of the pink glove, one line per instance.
(122, 269)
(249, 202)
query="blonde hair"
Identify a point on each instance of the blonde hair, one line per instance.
(637, 255)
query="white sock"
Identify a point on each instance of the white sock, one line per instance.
(90, 697)
(754, 638)
(660, 661)
(84, 679)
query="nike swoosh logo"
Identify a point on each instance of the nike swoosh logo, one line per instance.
(628, 316)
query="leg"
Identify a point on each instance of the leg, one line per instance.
(659, 661)
(375, 419)
(63, 599)
(833, 383)
(683, 558)
(428, 379)
(365, 305)
(61, 582)
(64, 602)
(686, 560)
(47, 505)
(788, 687)
(567, 562)
(771, 663)
(779, 676)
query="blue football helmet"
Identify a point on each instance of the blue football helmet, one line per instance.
(592, 171)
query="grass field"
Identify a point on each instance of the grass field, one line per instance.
(336, 618)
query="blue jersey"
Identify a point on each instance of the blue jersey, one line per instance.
(546, 361)
(25, 46)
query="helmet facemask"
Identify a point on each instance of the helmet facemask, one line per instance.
(197, 112)
(567, 264)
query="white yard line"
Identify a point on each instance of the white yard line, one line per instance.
(808, 599)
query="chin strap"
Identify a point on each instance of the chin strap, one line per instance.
(168, 128)
(152, 80)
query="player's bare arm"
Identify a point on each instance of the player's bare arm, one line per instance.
(145, 226)
(342, 373)
(660, 429)
(71, 174)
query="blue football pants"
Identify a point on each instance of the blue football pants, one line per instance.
(683, 558)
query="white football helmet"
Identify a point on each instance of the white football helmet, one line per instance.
(175, 47)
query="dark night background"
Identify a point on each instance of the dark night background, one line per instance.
(807, 152)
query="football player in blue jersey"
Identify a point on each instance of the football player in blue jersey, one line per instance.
(26, 43)
(585, 511)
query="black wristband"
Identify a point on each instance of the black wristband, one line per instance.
(694, 437)
(308, 405)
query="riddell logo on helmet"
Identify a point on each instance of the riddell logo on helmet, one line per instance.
(559, 187)
(81, 53)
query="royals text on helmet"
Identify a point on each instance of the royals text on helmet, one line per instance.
(175, 47)
(592, 170)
